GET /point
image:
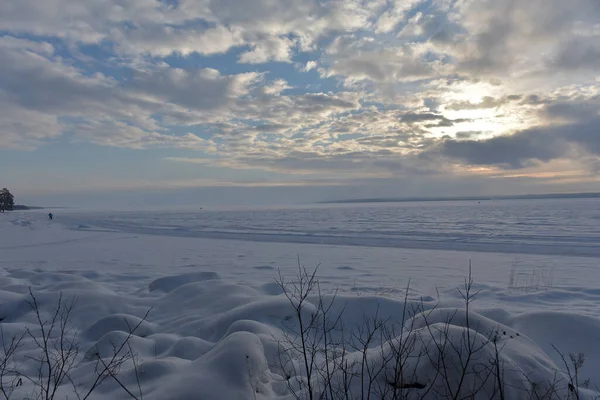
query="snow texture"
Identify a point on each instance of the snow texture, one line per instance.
(216, 312)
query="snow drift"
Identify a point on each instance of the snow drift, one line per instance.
(198, 335)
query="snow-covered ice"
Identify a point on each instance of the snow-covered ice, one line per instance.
(553, 226)
(208, 279)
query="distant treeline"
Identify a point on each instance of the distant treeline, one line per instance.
(471, 198)
(20, 207)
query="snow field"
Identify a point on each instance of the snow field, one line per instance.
(214, 334)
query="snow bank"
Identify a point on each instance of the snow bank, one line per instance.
(214, 339)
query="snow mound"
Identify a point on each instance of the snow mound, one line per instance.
(457, 339)
(569, 333)
(236, 368)
(170, 283)
(120, 322)
(272, 288)
(188, 348)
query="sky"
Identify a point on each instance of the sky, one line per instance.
(273, 101)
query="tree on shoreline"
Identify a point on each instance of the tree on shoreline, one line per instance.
(7, 200)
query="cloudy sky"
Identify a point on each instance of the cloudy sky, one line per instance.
(284, 100)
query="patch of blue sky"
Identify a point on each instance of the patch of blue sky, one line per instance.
(89, 59)
(425, 6)
(101, 58)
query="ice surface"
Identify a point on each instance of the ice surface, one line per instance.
(215, 308)
(554, 226)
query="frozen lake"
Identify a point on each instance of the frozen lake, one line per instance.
(551, 227)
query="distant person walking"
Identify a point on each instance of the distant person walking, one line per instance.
(50, 216)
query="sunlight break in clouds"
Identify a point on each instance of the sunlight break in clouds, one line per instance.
(399, 92)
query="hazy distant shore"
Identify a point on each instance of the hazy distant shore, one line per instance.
(468, 198)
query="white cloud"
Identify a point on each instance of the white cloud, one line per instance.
(43, 87)
(120, 134)
(508, 37)
(380, 65)
(9, 43)
(310, 65)
(201, 90)
(162, 41)
(204, 27)
(25, 129)
(389, 20)
(270, 49)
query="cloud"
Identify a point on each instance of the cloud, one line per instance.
(516, 151)
(500, 45)
(162, 41)
(162, 28)
(434, 26)
(310, 65)
(36, 82)
(420, 117)
(120, 134)
(358, 61)
(578, 53)
(528, 147)
(466, 134)
(567, 128)
(345, 166)
(486, 102)
(203, 89)
(271, 128)
(271, 49)
(389, 20)
(413, 118)
(24, 129)
(571, 109)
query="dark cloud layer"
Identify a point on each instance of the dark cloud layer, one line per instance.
(525, 148)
